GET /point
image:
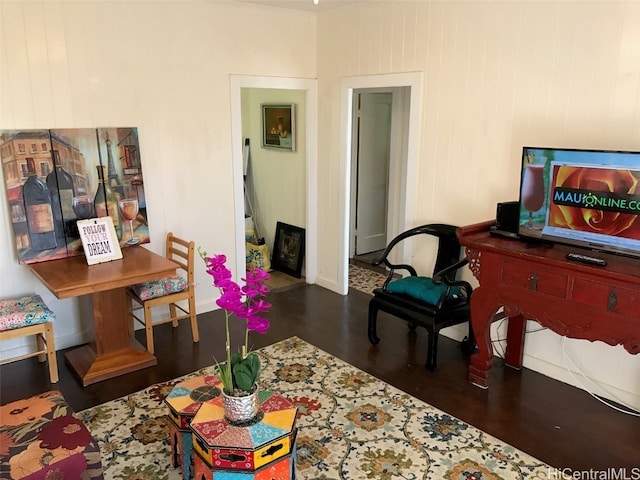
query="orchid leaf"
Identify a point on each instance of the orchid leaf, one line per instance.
(246, 372)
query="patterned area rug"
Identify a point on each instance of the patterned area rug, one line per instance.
(365, 280)
(351, 426)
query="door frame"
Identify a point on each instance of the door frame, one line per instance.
(407, 209)
(310, 87)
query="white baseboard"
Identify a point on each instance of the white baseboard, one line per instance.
(327, 283)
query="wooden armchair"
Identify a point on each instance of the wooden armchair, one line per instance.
(431, 302)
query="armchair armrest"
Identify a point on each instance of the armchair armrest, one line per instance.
(442, 276)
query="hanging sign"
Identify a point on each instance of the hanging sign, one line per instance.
(99, 240)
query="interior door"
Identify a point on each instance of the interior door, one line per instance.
(373, 137)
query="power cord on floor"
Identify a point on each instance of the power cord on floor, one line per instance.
(499, 342)
(501, 352)
(627, 409)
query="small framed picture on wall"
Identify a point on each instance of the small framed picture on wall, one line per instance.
(278, 126)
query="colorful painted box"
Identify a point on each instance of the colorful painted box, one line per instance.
(283, 468)
(248, 447)
(181, 449)
(183, 401)
(185, 398)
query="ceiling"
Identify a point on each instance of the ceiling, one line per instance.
(305, 5)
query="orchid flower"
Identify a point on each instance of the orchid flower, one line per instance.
(241, 370)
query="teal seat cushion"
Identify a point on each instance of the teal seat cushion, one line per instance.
(422, 288)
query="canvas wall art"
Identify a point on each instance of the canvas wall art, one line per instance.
(55, 177)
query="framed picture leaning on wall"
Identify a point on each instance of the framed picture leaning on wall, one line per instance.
(288, 249)
(278, 126)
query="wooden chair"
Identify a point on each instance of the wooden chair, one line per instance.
(431, 302)
(168, 291)
(27, 316)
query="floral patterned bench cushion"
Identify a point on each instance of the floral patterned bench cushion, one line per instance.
(159, 288)
(42, 439)
(24, 311)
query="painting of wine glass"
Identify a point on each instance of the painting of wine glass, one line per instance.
(129, 210)
(52, 180)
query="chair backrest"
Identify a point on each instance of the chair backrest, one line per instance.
(448, 249)
(182, 252)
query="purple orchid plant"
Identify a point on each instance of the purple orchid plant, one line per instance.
(240, 372)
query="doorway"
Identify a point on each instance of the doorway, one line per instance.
(379, 146)
(406, 114)
(371, 151)
(309, 86)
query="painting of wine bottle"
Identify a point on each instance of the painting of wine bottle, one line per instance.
(52, 180)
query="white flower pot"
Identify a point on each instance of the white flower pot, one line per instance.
(241, 409)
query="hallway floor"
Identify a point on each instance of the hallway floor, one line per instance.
(280, 280)
(366, 259)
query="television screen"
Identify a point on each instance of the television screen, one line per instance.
(587, 198)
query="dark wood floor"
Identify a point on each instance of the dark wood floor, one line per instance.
(552, 421)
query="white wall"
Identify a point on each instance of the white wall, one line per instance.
(278, 177)
(497, 75)
(163, 67)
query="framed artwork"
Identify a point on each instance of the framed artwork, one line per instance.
(278, 126)
(57, 177)
(288, 249)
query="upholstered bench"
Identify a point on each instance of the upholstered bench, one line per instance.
(40, 439)
(27, 316)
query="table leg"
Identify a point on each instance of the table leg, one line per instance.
(515, 341)
(481, 316)
(114, 351)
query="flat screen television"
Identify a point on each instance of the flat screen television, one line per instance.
(586, 198)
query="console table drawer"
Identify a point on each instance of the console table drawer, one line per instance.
(533, 279)
(607, 297)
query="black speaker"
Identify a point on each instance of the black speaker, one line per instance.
(507, 214)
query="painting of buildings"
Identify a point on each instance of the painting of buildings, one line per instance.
(53, 178)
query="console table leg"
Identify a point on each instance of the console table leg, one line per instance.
(481, 315)
(515, 341)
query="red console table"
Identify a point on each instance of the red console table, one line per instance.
(537, 282)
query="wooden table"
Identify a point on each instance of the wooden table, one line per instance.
(114, 351)
(537, 282)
